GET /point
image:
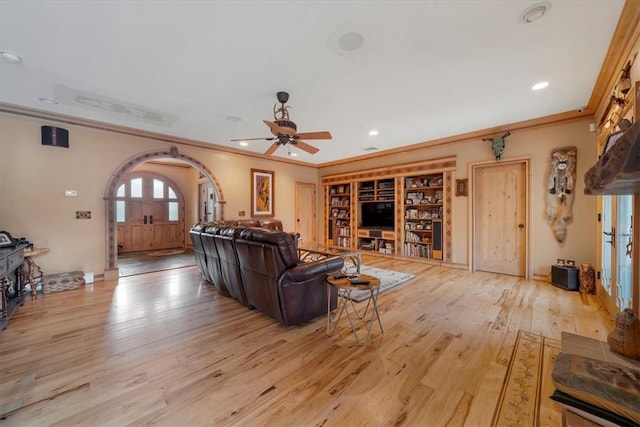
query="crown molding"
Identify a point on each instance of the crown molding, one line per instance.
(123, 130)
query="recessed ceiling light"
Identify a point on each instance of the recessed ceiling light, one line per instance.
(373, 132)
(540, 85)
(350, 41)
(371, 149)
(48, 100)
(234, 119)
(244, 143)
(535, 12)
(10, 57)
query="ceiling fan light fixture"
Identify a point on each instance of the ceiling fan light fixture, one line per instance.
(535, 12)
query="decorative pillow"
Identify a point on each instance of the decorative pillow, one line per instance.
(603, 384)
(625, 337)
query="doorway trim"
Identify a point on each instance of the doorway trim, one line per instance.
(111, 264)
(472, 192)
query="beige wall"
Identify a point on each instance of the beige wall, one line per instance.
(33, 178)
(535, 144)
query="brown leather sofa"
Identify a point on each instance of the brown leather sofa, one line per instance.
(260, 268)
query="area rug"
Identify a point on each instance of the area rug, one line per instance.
(527, 382)
(388, 280)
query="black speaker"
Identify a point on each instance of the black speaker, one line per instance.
(437, 235)
(56, 137)
(565, 277)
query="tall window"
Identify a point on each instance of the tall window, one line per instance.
(121, 204)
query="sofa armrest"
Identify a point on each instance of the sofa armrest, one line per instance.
(307, 270)
(302, 290)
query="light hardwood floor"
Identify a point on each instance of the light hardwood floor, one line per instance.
(164, 348)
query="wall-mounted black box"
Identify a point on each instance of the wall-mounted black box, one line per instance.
(565, 277)
(55, 137)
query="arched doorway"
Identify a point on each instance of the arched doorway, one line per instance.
(110, 197)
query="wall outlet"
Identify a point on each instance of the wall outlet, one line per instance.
(83, 214)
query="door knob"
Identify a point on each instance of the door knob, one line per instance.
(520, 226)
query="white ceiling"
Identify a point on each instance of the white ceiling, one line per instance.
(210, 70)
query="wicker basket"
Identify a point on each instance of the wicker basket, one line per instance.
(62, 281)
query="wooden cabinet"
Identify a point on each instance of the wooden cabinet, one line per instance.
(380, 241)
(376, 216)
(423, 214)
(399, 210)
(339, 215)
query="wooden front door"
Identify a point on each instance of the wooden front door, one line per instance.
(499, 218)
(150, 214)
(305, 207)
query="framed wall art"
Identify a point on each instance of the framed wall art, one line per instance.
(262, 191)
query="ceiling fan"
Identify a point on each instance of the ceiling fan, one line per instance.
(285, 131)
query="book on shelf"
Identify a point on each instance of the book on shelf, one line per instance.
(415, 250)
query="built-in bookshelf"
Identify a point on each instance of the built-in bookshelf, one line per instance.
(376, 221)
(423, 215)
(402, 210)
(339, 215)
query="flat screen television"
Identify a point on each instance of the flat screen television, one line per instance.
(377, 215)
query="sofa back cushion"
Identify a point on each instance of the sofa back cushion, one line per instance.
(213, 259)
(230, 270)
(284, 243)
(198, 250)
(261, 267)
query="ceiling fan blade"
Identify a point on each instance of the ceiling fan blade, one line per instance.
(304, 146)
(275, 129)
(272, 149)
(254, 139)
(313, 135)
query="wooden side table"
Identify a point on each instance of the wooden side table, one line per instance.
(347, 305)
(32, 271)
